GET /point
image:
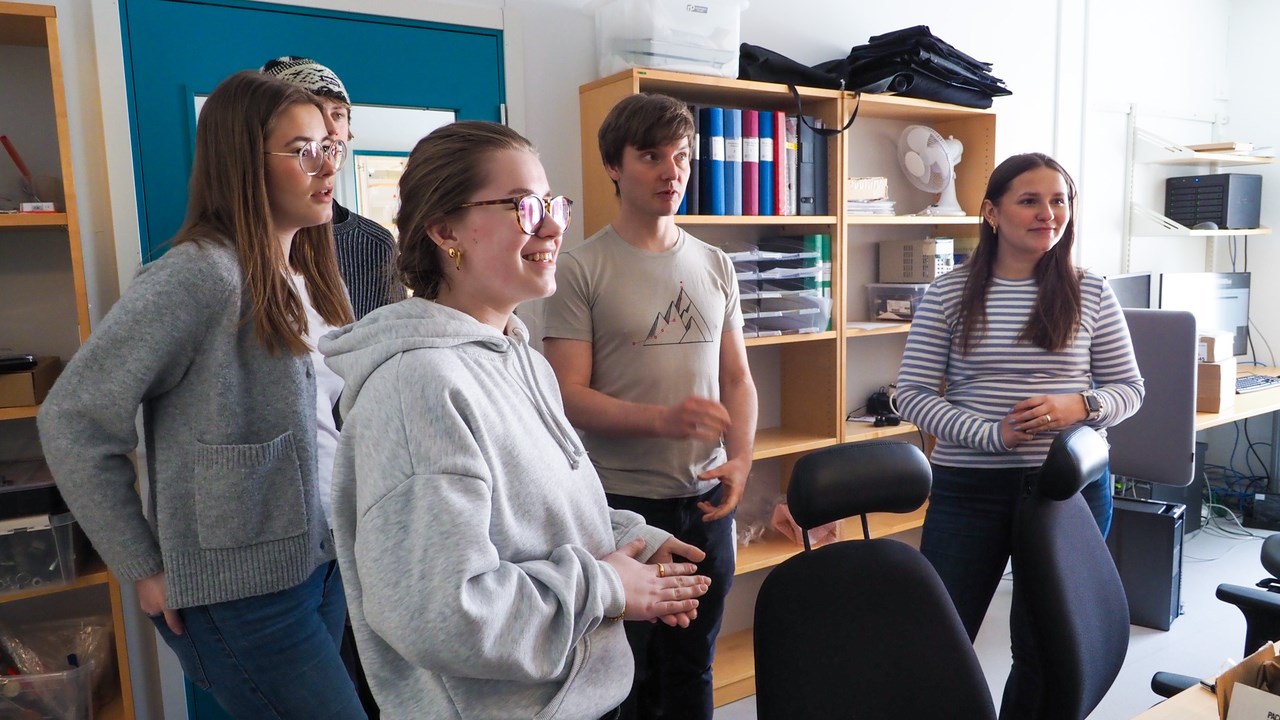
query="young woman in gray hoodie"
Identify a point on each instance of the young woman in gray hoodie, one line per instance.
(485, 573)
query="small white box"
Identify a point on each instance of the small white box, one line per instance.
(36, 207)
(696, 37)
(866, 188)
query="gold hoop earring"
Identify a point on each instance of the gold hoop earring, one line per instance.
(456, 254)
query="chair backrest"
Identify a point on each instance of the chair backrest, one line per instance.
(1063, 569)
(1158, 442)
(862, 628)
(847, 480)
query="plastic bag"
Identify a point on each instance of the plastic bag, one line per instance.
(786, 525)
(62, 667)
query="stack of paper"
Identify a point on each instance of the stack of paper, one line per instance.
(869, 207)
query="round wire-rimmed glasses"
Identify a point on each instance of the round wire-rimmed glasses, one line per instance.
(531, 210)
(311, 156)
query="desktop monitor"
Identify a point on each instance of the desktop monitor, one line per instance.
(1132, 290)
(1219, 302)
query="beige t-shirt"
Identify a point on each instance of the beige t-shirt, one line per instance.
(655, 322)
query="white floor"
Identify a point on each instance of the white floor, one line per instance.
(1209, 634)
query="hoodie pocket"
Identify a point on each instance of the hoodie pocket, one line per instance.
(248, 494)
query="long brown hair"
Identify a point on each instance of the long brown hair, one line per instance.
(228, 204)
(1056, 315)
(443, 171)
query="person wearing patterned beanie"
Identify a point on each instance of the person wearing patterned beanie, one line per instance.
(366, 250)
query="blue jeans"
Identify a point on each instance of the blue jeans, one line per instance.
(673, 665)
(271, 656)
(967, 536)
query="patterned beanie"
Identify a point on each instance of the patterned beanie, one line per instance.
(307, 74)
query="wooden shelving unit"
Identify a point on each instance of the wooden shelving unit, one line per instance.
(29, 33)
(815, 372)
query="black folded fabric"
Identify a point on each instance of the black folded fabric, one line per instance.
(911, 62)
(765, 65)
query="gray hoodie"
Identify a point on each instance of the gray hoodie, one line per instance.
(469, 525)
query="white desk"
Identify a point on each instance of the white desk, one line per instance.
(1194, 703)
(1253, 404)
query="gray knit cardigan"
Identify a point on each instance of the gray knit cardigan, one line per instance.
(230, 438)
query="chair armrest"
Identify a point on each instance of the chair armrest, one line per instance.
(1167, 684)
(1249, 598)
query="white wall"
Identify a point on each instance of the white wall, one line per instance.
(1255, 117)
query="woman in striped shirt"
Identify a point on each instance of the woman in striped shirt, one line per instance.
(1005, 351)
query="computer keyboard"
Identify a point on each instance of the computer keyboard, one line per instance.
(1249, 383)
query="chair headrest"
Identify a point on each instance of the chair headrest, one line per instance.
(1271, 555)
(855, 478)
(1076, 458)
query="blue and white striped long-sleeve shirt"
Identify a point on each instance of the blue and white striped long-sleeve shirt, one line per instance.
(999, 371)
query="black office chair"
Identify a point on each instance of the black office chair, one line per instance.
(1074, 595)
(1260, 606)
(862, 628)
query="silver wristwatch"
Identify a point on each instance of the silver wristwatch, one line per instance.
(1092, 404)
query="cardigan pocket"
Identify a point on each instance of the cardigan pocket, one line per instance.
(248, 494)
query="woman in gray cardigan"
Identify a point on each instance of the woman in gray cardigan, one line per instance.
(215, 342)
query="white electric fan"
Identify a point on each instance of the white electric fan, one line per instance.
(930, 162)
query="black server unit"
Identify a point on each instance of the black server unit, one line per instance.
(1230, 200)
(1146, 543)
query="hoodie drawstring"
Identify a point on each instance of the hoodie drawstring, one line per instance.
(564, 436)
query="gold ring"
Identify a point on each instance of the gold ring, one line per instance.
(662, 570)
(1047, 419)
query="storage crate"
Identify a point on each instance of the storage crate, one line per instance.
(696, 37)
(40, 549)
(894, 301)
(788, 316)
(66, 695)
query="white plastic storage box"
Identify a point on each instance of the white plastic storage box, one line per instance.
(39, 550)
(695, 37)
(894, 301)
(66, 695)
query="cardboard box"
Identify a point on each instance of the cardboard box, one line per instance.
(1236, 689)
(1216, 385)
(1215, 347)
(29, 387)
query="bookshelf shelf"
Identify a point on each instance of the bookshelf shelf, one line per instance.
(19, 412)
(768, 220)
(911, 220)
(33, 220)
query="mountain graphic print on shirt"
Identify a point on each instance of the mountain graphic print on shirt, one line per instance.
(679, 323)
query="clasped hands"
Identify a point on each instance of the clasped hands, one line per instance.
(661, 589)
(1041, 413)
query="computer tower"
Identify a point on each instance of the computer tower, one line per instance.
(1146, 543)
(1192, 496)
(1229, 200)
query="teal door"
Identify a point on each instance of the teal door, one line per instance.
(176, 50)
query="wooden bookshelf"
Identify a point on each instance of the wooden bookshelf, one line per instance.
(816, 372)
(24, 26)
